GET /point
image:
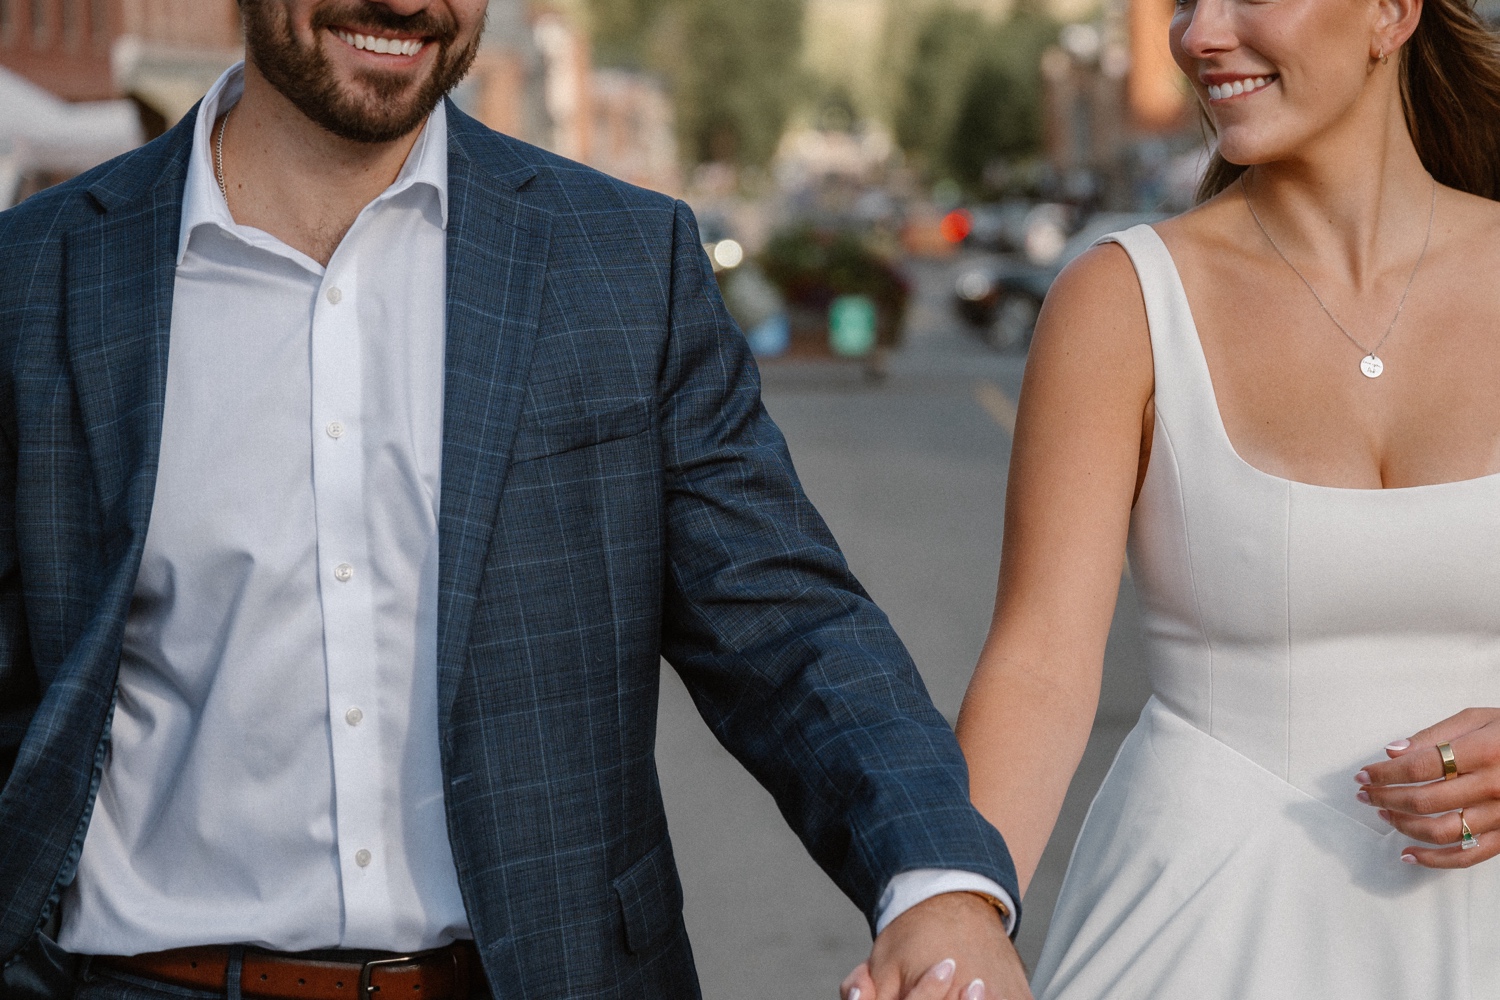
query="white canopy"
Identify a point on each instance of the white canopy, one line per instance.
(39, 131)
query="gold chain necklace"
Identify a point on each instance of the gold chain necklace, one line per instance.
(1370, 365)
(219, 155)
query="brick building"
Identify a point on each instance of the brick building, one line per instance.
(162, 53)
(62, 45)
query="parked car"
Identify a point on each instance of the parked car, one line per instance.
(999, 226)
(1000, 300)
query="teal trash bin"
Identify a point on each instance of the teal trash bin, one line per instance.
(851, 326)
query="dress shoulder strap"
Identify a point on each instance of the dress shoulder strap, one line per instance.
(1183, 385)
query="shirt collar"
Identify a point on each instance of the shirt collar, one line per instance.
(204, 204)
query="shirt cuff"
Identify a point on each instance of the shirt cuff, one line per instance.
(921, 884)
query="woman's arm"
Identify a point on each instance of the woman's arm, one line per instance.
(1080, 449)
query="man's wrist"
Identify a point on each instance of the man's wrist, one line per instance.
(1001, 907)
(912, 887)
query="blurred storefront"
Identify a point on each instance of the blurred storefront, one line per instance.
(44, 139)
(1122, 129)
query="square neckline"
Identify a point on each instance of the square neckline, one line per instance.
(1180, 290)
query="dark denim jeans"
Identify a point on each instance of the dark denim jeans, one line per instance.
(108, 984)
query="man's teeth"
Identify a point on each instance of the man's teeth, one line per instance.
(385, 46)
(1248, 85)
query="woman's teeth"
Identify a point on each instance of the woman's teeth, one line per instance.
(1218, 92)
(384, 46)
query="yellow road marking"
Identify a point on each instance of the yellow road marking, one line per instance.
(997, 404)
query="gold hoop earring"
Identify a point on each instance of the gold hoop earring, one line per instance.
(1383, 57)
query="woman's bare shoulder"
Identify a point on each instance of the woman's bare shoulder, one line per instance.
(1475, 221)
(1203, 227)
(1097, 297)
(1092, 338)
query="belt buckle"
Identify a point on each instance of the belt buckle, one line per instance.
(365, 989)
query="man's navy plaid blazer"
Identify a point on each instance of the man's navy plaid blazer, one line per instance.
(613, 492)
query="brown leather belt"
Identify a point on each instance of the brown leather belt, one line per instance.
(441, 974)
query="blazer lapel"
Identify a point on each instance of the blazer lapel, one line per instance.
(497, 262)
(119, 277)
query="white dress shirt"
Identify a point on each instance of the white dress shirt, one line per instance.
(274, 776)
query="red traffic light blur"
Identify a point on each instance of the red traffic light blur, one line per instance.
(957, 225)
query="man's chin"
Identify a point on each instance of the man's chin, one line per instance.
(376, 105)
(358, 95)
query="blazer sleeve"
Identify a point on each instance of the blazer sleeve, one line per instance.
(792, 665)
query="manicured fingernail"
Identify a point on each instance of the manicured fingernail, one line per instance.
(854, 993)
(1384, 814)
(1410, 859)
(1362, 778)
(1363, 796)
(1398, 745)
(944, 970)
(975, 990)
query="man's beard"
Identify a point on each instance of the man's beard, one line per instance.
(386, 106)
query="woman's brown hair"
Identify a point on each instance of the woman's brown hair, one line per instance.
(1450, 93)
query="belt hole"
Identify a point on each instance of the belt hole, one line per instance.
(193, 964)
(338, 986)
(262, 977)
(301, 982)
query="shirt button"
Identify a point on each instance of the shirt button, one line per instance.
(354, 716)
(335, 430)
(335, 296)
(362, 858)
(343, 572)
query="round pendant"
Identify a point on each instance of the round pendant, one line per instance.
(1371, 366)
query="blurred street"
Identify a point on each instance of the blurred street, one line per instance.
(910, 474)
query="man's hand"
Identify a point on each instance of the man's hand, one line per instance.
(950, 947)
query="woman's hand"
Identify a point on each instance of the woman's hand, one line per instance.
(950, 947)
(1411, 794)
(936, 984)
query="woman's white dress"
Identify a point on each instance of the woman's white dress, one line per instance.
(1292, 631)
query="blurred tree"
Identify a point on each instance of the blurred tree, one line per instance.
(733, 66)
(972, 92)
(942, 59)
(622, 31)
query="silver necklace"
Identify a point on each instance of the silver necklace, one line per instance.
(219, 155)
(1370, 365)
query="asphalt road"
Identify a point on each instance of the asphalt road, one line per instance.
(910, 475)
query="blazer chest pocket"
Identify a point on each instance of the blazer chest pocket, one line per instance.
(555, 436)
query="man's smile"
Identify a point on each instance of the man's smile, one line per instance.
(381, 44)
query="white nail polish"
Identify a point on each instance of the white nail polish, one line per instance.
(1398, 745)
(1409, 858)
(944, 970)
(854, 993)
(975, 990)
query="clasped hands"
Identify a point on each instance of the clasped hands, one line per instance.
(950, 947)
(1414, 797)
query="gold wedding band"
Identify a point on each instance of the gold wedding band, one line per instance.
(1469, 840)
(1450, 766)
